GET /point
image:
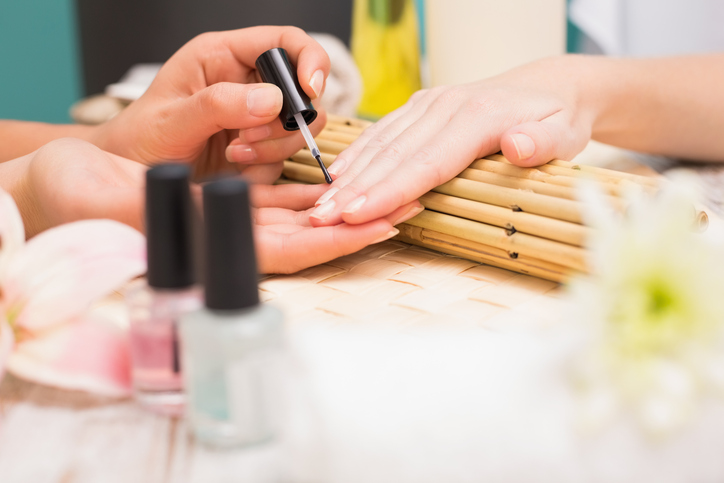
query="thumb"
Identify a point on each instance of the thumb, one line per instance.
(227, 105)
(536, 143)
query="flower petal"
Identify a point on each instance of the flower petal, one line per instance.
(6, 343)
(56, 276)
(89, 354)
(12, 231)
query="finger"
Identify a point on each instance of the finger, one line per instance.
(278, 253)
(535, 143)
(351, 153)
(354, 159)
(271, 150)
(295, 197)
(281, 216)
(262, 174)
(309, 57)
(274, 130)
(224, 105)
(434, 163)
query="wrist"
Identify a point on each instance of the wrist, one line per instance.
(14, 181)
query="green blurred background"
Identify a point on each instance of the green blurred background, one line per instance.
(41, 71)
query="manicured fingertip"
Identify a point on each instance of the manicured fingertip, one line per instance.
(264, 101)
(240, 153)
(412, 212)
(316, 82)
(386, 236)
(322, 212)
(354, 205)
(524, 146)
(326, 196)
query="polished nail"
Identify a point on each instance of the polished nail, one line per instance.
(241, 153)
(316, 82)
(326, 196)
(387, 236)
(323, 211)
(355, 205)
(337, 167)
(412, 212)
(255, 134)
(524, 145)
(264, 101)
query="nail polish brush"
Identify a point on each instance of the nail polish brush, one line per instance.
(297, 110)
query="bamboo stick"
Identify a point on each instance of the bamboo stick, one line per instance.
(302, 172)
(605, 173)
(481, 253)
(532, 246)
(330, 147)
(519, 183)
(560, 209)
(514, 221)
(304, 156)
(339, 137)
(361, 124)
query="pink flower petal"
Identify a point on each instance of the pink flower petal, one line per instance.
(58, 273)
(7, 341)
(12, 231)
(90, 354)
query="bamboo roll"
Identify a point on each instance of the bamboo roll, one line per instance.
(532, 246)
(303, 172)
(566, 210)
(481, 253)
(515, 221)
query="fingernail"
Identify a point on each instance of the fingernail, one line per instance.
(323, 211)
(523, 145)
(386, 236)
(412, 212)
(326, 196)
(264, 101)
(316, 82)
(355, 205)
(255, 134)
(241, 153)
(337, 167)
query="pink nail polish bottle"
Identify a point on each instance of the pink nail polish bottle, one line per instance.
(169, 291)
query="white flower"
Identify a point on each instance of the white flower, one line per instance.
(653, 311)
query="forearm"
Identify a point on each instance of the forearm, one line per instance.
(18, 138)
(672, 106)
(14, 180)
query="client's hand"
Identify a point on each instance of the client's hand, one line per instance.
(529, 113)
(69, 180)
(207, 106)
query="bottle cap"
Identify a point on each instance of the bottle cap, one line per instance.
(274, 68)
(169, 235)
(231, 276)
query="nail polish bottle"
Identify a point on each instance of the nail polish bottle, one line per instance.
(232, 347)
(169, 291)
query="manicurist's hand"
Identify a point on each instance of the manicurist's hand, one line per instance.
(207, 105)
(529, 113)
(69, 180)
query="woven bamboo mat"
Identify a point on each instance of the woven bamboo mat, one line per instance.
(397, 284)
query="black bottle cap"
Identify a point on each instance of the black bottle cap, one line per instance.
(231, 277)
(274, 68)
(169, 233)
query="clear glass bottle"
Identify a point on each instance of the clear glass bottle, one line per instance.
(232, 348)
(170, 291)
(233, 367)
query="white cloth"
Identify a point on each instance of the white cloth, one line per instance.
(642, 28)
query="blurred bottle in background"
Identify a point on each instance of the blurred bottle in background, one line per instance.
(385, 45)
(469, 40)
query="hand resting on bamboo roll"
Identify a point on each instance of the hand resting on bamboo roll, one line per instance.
(544, 110)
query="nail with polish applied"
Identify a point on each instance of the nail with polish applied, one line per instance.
(524, 145)
(411, 213)
(323, 211)
(264, 101)
(241, 153)
(316, 82)
(386, 236)
(355, 205)
(337, 168)
(326, 196)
